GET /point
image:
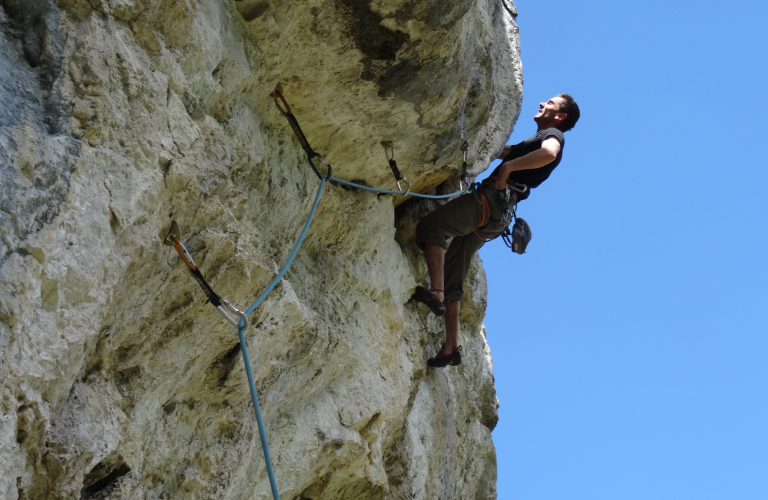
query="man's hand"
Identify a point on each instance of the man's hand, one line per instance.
(535, 159)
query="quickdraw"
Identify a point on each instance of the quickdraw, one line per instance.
(463, 175)
(173, 239)
(277, 94)
(388, 146)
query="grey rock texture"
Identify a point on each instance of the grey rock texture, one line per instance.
(36, 152)
(118, 116)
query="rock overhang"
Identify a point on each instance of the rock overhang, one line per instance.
(162, 112)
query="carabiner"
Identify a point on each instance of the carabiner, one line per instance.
(278, 94)
(400, 188)
(388, 145)
(174, 240)
(330, 168)
(463, 175)
(234, 310)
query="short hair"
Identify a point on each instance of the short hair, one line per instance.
(571, 109)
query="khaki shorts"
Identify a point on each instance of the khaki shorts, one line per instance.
(470, 224)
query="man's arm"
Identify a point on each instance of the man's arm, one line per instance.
(504, 152)
(535, 159)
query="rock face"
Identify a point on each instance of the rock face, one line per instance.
(117, 116)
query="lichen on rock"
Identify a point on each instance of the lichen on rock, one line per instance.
(119, 116)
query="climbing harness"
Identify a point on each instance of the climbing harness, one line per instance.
(485, 209)
(520, 235)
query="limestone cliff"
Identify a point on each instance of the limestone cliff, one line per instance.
(117, 116)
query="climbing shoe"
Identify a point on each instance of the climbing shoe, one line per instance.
(452, 359)
(430, 299)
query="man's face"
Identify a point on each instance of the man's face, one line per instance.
(549, 110)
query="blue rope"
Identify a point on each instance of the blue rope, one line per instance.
(244, 346)
(279, 276)
(389, 191)
(275, 281)
(255, 400)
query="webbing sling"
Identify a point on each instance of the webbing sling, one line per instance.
(296, 130)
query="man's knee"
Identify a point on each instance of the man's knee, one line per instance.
(428, 232)
(458, 260)
(457, 217)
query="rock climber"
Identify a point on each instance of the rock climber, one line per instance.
(483, 214)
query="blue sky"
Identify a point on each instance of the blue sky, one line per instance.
(631, 342)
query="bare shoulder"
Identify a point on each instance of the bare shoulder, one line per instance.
(551, 144)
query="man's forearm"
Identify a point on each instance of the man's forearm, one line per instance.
(534, 159)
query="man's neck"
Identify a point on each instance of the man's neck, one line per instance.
(545, 125)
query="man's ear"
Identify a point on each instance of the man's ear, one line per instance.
(561, 116)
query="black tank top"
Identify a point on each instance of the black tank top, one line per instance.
(535, 176)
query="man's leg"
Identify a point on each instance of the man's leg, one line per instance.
(457, 262)
(457, 217)
(451, 328)
(435, 257)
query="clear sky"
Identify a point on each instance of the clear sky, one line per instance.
(631, 342)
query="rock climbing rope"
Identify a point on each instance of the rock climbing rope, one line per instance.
(239, 318)
(277, 94)
(241, 323)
